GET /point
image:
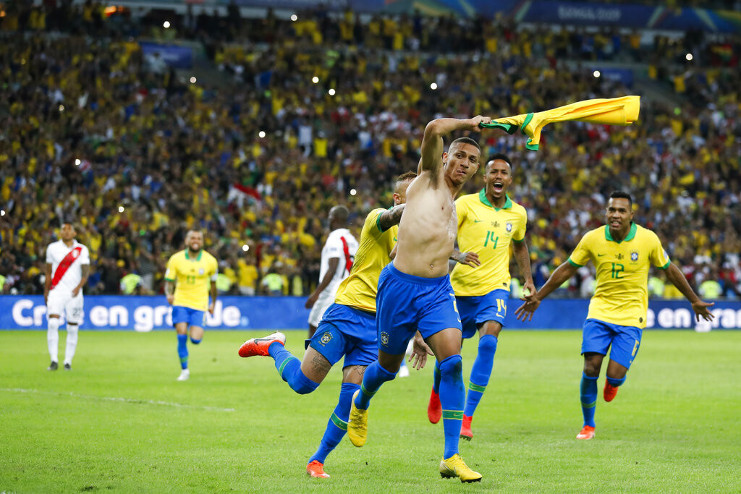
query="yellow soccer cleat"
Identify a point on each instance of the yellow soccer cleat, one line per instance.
(357, 425)
(456, 467)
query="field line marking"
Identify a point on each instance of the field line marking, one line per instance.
(119, 399)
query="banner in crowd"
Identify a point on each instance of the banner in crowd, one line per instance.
(179, 57)
(142, 313)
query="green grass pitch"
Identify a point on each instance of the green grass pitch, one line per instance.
(120, 423)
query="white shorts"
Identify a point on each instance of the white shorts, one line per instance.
(62, 300)
(321, 305)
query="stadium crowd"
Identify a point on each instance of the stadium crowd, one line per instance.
(303, 120)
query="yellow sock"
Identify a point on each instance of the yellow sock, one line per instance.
(612, 111)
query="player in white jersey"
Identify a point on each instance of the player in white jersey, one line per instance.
(338, 255)
(67, 270)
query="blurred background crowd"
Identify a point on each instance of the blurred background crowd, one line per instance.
(288, 118)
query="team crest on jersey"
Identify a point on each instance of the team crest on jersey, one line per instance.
(200, 271)
(384, 338)
(326, 338)
(508, 227)
(634, 256)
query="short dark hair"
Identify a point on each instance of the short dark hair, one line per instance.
(70, 223)
(619, 194)
(340, 213)
(500, 156)
(465, 140)
(410, 175)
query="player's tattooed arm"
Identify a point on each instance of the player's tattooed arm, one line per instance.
(391, 217)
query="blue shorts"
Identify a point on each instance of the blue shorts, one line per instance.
(346, 331)
(599, 335)
(477, 310)
(185, 314)
(406, 304)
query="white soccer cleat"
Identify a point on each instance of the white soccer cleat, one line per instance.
(184, 375)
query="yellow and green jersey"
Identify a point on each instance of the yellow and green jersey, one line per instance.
(621, 295)
(192, 277)
(487, 231)
(359, 289)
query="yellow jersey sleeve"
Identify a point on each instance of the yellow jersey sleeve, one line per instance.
(359, 289)
(581, 255)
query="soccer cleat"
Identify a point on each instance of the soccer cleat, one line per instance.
(259, 346)
(67, 366)
(53, 366)
(357, 425)
(434, 408)
(455, 467)
(404, 371)
(316, 469)
(609, 392)
(587, 432)
(466, 428)
(184, 375)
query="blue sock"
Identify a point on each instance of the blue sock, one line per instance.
(195, 342)
(616, 382)
(436, 378)
(337, 425)
(289, 368)
(480, 373)
(588, 398)
(374, 377)
(183, 350)
(452, 397)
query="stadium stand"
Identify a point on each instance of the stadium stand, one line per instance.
(96, 130)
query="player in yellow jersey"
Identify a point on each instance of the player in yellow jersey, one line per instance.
(190, 276)
(347, 328)
(489, 222)
(622, 253)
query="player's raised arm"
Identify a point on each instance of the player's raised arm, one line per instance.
(432, 142)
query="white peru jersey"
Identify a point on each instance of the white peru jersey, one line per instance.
(56, 252)
(342, 244)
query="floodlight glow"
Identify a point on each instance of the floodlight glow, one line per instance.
(596, 73)
(315, 79)
(166, 24)
(331, 92)
(433, 86)
(261, 134)
(689, 57)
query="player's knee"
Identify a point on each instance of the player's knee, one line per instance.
(302, 384)
(451, 366)
(487, 345)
